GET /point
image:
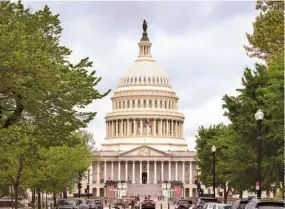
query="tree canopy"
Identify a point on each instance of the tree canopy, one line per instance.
(262, 88)
(268, 30)
(42, 100)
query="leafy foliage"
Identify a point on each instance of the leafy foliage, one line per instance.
(268, 30)
(42, 101)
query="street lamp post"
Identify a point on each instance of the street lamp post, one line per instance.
(258, 117)
(214, 169)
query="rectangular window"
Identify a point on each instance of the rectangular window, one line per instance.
(150, 104)
(144, 103)
(128, 103)
(155, 103)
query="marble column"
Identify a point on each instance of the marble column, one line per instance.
(117, 128)
(141, 127)
(147, 128)
(98, 173)
(154, 127)
(172, 132)
(182, 129)
(107, 129)
(154, 172)
(190, 173)
(167, 130)
(162, 171)
(140, 174)
(119, 171)
(160, 129)
(112, 171)
(169, 168)
(135, 127)
(105, 171)
(126, 167)
(121, 127)
(176, 170)
(148, 172)
(176, 129)
(129, 127)
(134, 181)
(183, 172)
(113, 127)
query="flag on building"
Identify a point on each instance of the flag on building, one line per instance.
(148, 123)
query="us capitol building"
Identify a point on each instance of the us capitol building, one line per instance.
(144, 152)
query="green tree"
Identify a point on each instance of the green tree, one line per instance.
(223, 138)
(59, 168)
(261, 89)
(18, 155)
(273, 99)
(42, 94)
(268, 30)
(38, 85)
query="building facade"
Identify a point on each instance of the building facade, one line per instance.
(144, 150)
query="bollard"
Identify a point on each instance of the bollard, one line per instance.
(110, 206)
(168, 205)
(160, 205)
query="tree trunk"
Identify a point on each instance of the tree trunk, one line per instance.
(282, 189)
(33, 196)
(39, 198)
(225, 193)
(54, 199)
(16, 192)
(240, 194)
(64, 194)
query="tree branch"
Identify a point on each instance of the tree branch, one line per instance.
(16, 114)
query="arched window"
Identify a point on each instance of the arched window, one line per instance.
(148, 79)
(123, 104)
(144, 103)
(133, 106)
(150, 104)
(135, 79)
(119, 104)
(169, 105)
(153, 79)
(160, 104)
(140, 80)
(128, 103)
(165, 105)
(144, 79)
(155, 103)
(139, 103)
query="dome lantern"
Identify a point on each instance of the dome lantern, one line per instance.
(144, 44)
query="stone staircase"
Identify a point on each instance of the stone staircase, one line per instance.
(153, 190)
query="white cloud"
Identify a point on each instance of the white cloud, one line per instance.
(204, 62)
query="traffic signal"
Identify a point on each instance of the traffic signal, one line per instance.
(85, 190)
(87, 187)
(79, 185)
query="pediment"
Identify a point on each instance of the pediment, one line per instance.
(144, 151)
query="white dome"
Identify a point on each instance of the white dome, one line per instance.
(145, 72)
